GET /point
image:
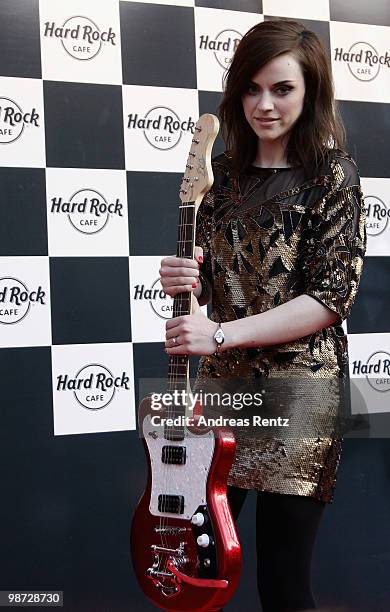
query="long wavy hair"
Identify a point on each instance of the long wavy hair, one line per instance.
(318, 128)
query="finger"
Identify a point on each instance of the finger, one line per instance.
(180, 281)
(173, 333)
(178, 350)
(173, 340)
(178, 276)
(176, 262)
(198, 252)
(172, 323)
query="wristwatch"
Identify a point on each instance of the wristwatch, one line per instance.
(219, 338)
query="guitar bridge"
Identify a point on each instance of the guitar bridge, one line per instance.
(166, 581)
(177, 552)
(170, 530)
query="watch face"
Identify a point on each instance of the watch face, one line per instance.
(219, 336)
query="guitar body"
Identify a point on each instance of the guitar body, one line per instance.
(174, 571)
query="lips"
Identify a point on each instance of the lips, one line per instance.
(266, 120)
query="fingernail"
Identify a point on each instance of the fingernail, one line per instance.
(200, 258)
(194, 286)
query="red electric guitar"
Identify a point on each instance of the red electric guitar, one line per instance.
(185, 549)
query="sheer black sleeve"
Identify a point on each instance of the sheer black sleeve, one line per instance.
(334, 242)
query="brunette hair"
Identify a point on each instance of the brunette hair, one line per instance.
(318, 128)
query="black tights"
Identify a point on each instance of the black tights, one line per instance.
(286, 529)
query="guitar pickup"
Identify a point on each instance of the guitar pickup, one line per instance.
(173, 455)
(171, 503)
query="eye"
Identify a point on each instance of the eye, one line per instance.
(283, 89)
(251, 89)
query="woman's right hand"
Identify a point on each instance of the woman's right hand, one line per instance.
(179, 275)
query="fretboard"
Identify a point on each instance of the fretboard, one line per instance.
(178, 366)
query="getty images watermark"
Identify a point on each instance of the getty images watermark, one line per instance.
(284, 407)
(176, 401)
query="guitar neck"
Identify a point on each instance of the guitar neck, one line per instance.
(197, 180)
(178, 372)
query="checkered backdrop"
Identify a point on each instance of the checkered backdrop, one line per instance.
(97, 105)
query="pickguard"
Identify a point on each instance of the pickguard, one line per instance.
(190, 479)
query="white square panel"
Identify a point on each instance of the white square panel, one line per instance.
(159, 126)
(22, 125)
(360, 61)
(80, 41)
(217, 36)
(170, 2)
(369, 368)
(25, 313)
(93, 388)
(87, 212)
(304, 9)
(377, 206)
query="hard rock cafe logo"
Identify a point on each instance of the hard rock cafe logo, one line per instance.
(87, 210)
(159, 301)
(223, 46)
(376, 369)
(377, 215)
(14, 120)
(363, 60)
(94, 385)
(16, 299)
(161, 126)
(80, 37)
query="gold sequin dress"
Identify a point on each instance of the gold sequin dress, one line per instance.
(268, 236)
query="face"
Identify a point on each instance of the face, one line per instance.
(274, 98)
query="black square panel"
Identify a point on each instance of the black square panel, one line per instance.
(26, 415)
(20, 47)
(158, 45)
(153, 212)
(84, 125)
(368, 134)
(23, 220)
(370, 312)
(208, 103)
(376, 12)
(90, 299)
(244, 6)
(151, 362)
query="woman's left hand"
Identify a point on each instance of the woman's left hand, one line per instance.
(193, 333)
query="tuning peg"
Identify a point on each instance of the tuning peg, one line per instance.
(198, 129)
(192, 154)
(183, 191)
(195, 140)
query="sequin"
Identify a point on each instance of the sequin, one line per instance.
(268, 237)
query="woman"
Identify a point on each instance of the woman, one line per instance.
(282, 235)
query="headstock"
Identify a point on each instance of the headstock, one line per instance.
(198, 177)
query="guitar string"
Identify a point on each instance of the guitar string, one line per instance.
(173, 379)
(180, 300)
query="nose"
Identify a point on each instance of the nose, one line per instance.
(265, 102)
